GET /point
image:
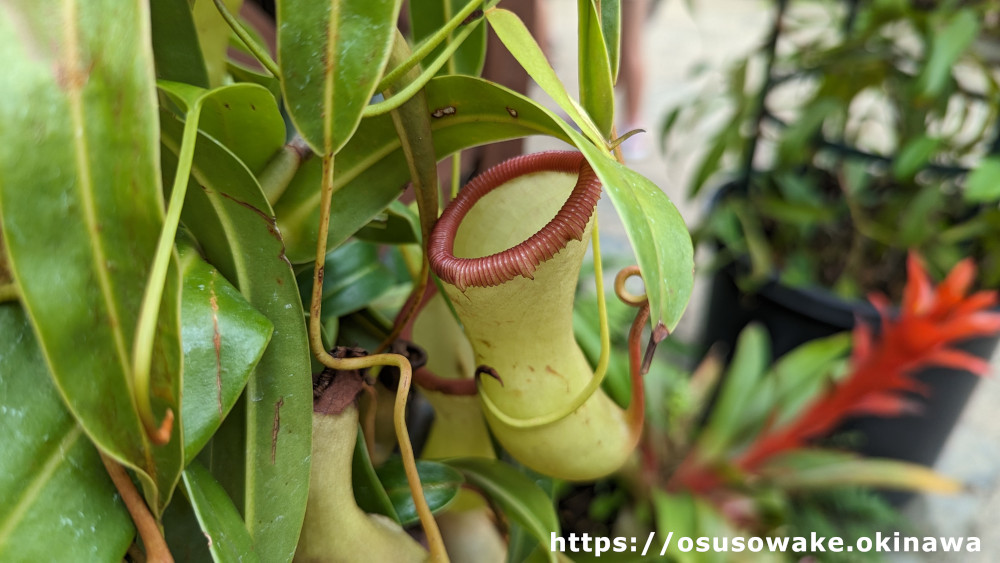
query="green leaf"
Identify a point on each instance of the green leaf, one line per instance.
(54, 490)
(81, 241)
(427, 16)
(710, 163)
(176, 49)
(331, 55)
(261, 452)
(368, 490)
(371, 168)
(228, 539)
(914, 156)
(947, 45)
(352, 279)
(799, 138)
(915, 226)
(983, 184)
(213, 35)
(800, 374)
(611, 27)
(750, 359)
(676, 513)
(440, 483)
(658, 234)
(240, 73)
(812, 469)
(398, 225)
(520, 498)
(224, 337)
(242, 117)
(597, 86)
(519, 41)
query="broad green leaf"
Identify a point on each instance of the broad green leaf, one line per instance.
(240, 73)
(176, 49)
(54, 490)
(440, 483)
(223, 337)
(213, 35)
(519, 41)
(750, 359)
(371, 169)
(221, 523)
(947, 45)
(611, 27)
(242, 117)
(427, 16)
(811, 469)
(261, 452)
(181, 529)
(331, 55)
(398, 225)
(520, 498)
(81, 240)
(352, 279)
(659, 237)
(597, 85)
(368, 490)
(983, 184)
(914, 156)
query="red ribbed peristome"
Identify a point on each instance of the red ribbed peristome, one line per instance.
(521, 260)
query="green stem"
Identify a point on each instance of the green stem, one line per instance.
(429, 44)
(602, 363)
(142, 355)
(456, 173)
(8, 292)
(280, 170)
(402, 96)
(258, 51)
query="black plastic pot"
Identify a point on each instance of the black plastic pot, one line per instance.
(793, 316)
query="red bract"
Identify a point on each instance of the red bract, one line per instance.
(931, 320)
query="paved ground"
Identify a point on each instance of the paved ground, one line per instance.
(713, 33)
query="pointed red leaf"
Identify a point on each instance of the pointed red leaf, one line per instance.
(958, 359)
(918, 294)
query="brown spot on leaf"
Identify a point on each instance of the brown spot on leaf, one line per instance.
(71, 76)
(275, 427)
(443, 112)
(512, 112)
(475, 15)
(216, 341)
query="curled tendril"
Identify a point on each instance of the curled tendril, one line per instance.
(624, 294)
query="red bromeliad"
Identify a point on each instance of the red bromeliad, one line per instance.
(931, 320)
